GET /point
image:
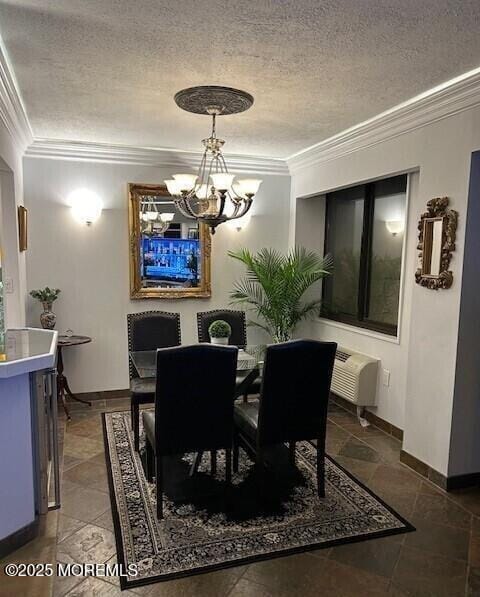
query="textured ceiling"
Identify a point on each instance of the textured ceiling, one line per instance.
(106, 71)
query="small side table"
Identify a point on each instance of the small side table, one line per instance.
(62, 383)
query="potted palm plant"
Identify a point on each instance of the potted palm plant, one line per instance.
(219, 331)
(275, 287)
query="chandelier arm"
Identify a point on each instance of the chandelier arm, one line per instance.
(245, 208)
(214, 159)
(234, 197)
(188, 208)
(179, 204)
(201, 170)
(235, 211)
(223, 163)
(223, 197)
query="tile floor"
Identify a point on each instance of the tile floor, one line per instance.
(442, 558)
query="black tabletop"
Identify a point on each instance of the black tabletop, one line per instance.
(72, 340)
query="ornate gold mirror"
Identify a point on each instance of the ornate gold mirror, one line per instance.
(436, 242)
(169, 254)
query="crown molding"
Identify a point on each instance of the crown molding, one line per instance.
(147, 156)
(445, 100)
(12, 111)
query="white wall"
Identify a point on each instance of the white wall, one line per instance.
(11, 196)
(90, 264)
(422, 365)
(393, 352)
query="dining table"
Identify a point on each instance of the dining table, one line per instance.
(250, 361)
(249, 365)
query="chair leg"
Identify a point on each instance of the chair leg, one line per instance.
(149, 460)
(136, 425)
(260, 470)
(245, 397)
(291, 453)
(196, 463)
(320, 472)
(159, 479)
(228, 466)
(213, 462)
(235, 453)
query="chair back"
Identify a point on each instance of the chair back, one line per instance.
(150, 330)
(237, 322)
(194, 398)
(295, 391)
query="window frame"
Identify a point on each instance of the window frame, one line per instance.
(364, 275)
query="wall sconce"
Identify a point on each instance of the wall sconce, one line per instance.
(395, 226)
(86, 206)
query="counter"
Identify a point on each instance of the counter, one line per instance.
(28, 354)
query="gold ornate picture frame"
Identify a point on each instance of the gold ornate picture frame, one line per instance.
(22, 228)
(436, 243)
(140, 288)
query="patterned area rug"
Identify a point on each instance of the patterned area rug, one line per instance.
(205, 528)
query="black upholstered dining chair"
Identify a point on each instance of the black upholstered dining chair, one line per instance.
(148, 330)
(237, 322)
(293, 403)
(193, 407)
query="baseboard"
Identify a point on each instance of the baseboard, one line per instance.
(463, 481)
(446, 483)
(385, 426)
(424, 470)
(102, 395)
(18, 538)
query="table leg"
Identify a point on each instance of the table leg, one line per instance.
(61, 396)
(196, 463)
(72, 396)
(63, 387)
(243, 387)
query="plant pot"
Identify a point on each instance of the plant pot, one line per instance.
(222, 341)
(48, 319)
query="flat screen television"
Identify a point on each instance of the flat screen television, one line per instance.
(171, 262)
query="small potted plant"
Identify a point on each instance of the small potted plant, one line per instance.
(47, 296)
(220, 331)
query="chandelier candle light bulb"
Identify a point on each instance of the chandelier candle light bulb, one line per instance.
(173, 187)
(167, 217)
(222, 181)
(249, 186)
(186, 182)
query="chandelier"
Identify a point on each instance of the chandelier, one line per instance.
(212, 196)
(152, 221)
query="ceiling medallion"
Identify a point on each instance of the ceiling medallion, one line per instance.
(211, 196)
(200, 100)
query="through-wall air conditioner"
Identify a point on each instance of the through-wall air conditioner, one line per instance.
(355, 377)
